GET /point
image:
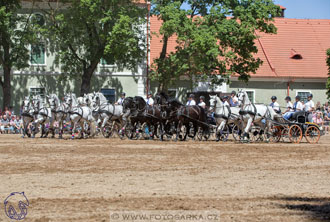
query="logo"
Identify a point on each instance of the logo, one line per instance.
(16, 206)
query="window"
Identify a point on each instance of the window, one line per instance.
(110, 94)
(38, 52)
(34, 91)
(251, 95)
(172, 93)
(303, 95)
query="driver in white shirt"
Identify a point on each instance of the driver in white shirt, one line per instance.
(297, 107)
(191, 100)
(202, 102)
(274, 104)
(150, 100)
(310, 107)
(121, 99)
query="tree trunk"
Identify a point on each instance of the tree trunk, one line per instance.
(6, 87)
(87, 78)
(163, 82)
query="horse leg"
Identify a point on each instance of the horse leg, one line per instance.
(178, 129)
(220, 130)
(247, 129)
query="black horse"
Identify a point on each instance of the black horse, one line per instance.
(143, 118)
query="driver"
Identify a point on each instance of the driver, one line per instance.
(191, 100)
(121, 99)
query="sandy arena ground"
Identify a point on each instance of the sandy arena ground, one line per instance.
(84, 180)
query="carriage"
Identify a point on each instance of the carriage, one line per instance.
(295, 129)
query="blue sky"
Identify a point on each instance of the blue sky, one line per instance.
(305, 9)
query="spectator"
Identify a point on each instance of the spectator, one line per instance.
(327, 120)
(5, 124)
(18, 124)
(7, 112)
(318, 106)
(318, 119)
(326, 107)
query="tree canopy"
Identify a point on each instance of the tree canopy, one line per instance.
(17, 32)
(85, 32)
(215, 38)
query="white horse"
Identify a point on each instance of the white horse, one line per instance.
(42, 115)
(107, 111)
(223, 115)
(78, 115)
(59, 113)
(254, 113)
(27, 116)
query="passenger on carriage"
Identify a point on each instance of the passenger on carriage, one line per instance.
(191, 100)
(274, 104)
(225, 101)
(297, 107)
(201, 102)
(150, 100)
(233, 101)
(309, 107)
(289, 106)
(121, 99)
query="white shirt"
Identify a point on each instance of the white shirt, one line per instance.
(298, 106)
(120, 101)
(202, 104)
(289, 106)
(150, 101)
(309, 105)
(191, 103)
(275, 106)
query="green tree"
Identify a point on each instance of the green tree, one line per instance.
(85, 32)
(16, 33)
(215, 38)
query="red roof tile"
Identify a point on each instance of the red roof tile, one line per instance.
(302, 37)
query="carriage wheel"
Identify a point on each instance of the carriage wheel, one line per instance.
(223, 135)
(236, 132)
(295, 133)
(255, 134)
(285, 134)
(130, 131)
(312, 134)
(107, 130)
(275, 134)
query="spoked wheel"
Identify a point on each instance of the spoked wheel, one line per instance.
(223, 134)
(107, 130)
(255, 134)
(275, 134)
(236, 132)
(285, 134)
(295, 133)
(312, 134)
(130, 131)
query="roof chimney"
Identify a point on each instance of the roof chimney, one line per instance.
(282, 11)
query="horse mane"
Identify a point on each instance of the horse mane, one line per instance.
(140, 99)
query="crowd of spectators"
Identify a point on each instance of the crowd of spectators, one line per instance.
(9, 122)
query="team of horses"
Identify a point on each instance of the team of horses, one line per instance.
(167, 118)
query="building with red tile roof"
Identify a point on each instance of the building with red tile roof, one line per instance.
(293, 59)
